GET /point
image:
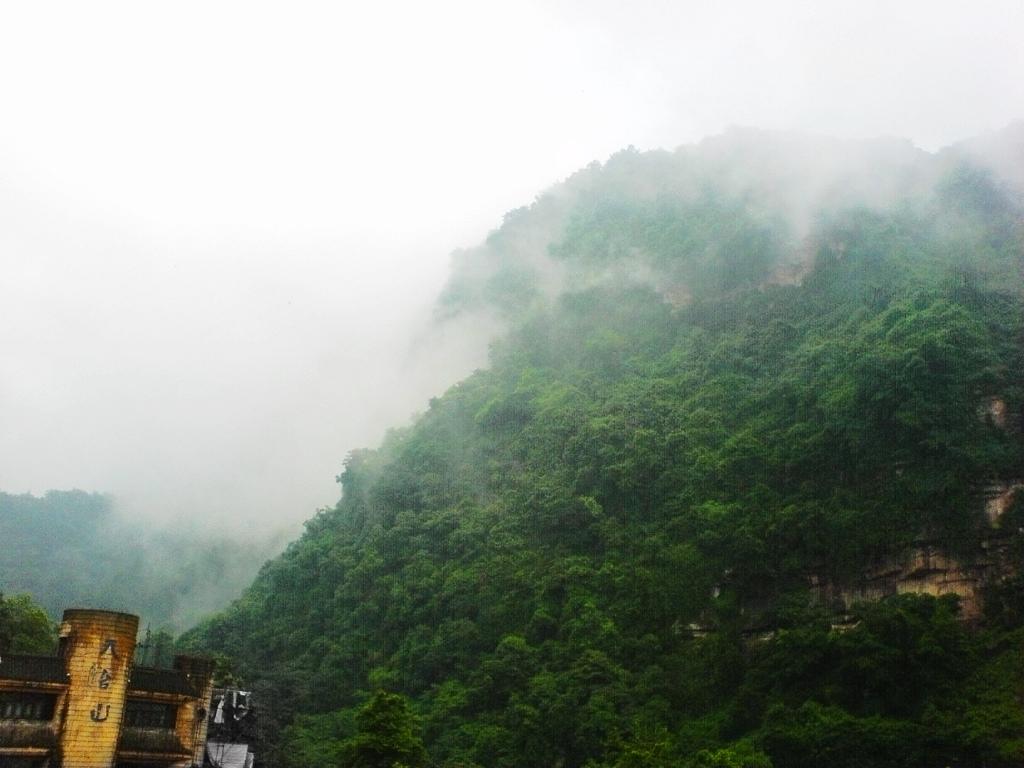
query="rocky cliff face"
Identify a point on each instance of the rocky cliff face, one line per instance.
(926, 570)
(999, 497)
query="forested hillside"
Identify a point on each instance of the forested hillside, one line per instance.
(72, 549)
(727, 369)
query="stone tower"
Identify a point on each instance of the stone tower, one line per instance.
(97, 647)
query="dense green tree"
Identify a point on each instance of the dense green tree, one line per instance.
(597, 550)
(24, 626)
(382, 733)
(739, 755)
(386, 736)
(72, 549)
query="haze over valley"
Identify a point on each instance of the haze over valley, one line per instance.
(524, 385)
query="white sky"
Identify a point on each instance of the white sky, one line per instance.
(222, 223)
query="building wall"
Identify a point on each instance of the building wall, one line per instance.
(193, 715)
(98, 647)
(92, 680)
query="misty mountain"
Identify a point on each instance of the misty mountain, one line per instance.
(728, 373)
(72, 549)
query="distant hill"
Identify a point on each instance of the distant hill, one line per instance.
(70, 549)
(729, 372)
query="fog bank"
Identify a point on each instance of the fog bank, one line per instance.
(223, 226)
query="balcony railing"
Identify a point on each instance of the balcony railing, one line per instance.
(162, 740)
(153, 680)
(35, 669)
(26, 734)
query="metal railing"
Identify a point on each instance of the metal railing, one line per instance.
(153, 680)
(36, 669)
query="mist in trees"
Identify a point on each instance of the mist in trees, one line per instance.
(72, 549)
(597, 550)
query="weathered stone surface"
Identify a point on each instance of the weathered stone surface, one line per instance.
(924, 570)
(999, 497)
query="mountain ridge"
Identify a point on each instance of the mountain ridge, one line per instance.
(666, 434)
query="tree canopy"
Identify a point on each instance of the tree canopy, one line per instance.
(597, 551)
(24, 626)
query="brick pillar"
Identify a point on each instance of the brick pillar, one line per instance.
(193, 715)
(98, 647)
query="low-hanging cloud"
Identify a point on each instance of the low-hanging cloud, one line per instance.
(223, 227)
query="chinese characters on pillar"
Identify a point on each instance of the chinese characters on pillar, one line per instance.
(100, 677)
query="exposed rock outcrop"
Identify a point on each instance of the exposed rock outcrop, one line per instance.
(925, 569)
(999, 497)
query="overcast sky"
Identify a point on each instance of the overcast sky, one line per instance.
(222, 224)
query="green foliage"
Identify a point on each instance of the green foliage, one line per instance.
(316, 740)
(385, 736)
(383, 733)
(71, 549)
(813, 735)
(987, 715)
(577, 556)
(24, 626)
(742, 754)
(647, 746)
